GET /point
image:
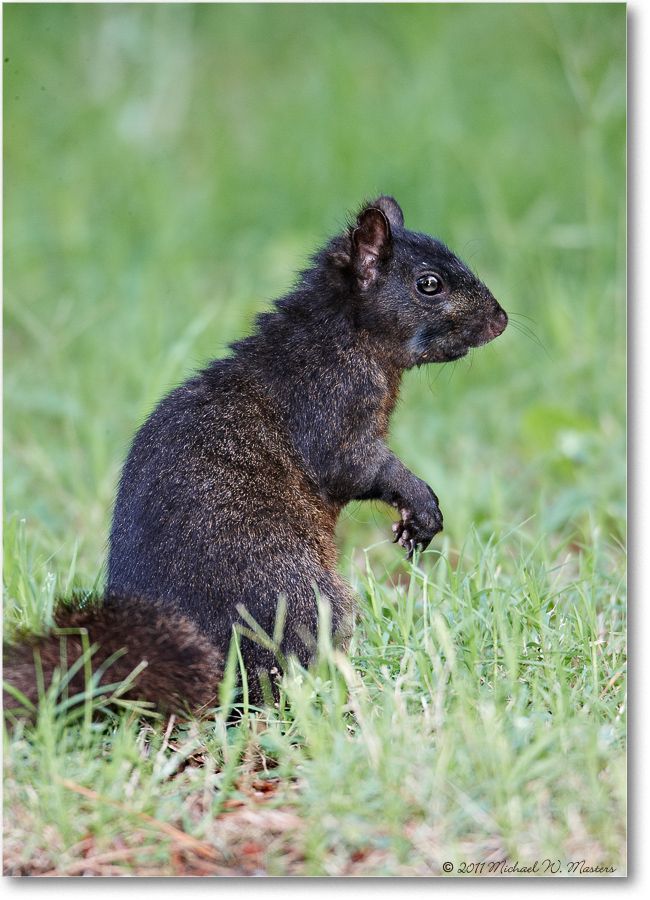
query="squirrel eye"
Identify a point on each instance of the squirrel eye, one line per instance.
(429, 285)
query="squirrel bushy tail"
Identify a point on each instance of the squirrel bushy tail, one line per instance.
(183, 668)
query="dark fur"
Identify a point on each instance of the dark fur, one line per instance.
(233, 486)
(183, 667)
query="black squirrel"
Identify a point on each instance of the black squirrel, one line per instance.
(231, 491)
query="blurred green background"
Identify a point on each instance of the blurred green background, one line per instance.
(168, 169)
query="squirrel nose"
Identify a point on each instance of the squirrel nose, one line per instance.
(497, 325)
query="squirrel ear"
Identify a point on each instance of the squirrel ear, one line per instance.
(391, 209)
(372, 243)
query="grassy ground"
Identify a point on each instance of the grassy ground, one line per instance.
(167, 169)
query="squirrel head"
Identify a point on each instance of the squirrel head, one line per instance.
(414, 291)
(405, 291)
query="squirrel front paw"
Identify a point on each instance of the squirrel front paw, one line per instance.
(417, 531)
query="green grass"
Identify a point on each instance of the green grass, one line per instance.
(479, 718)
(167, 168)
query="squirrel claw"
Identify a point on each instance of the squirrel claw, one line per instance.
(403, 537)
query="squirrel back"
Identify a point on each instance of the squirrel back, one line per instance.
(230, 494)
